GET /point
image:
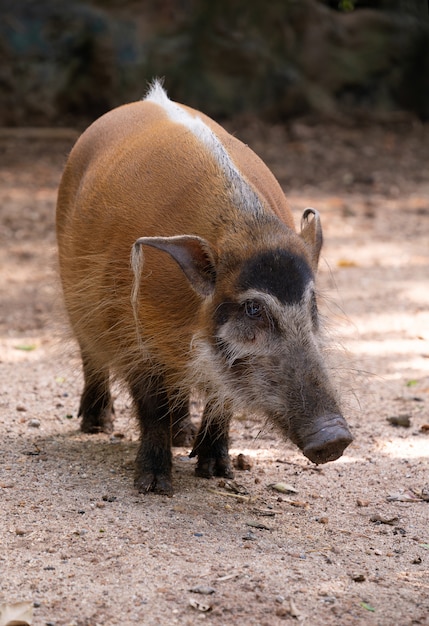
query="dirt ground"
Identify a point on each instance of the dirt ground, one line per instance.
(344, 544)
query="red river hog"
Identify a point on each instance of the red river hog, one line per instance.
(182, 271)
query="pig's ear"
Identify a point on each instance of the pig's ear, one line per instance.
(194, 256)
(311, 233)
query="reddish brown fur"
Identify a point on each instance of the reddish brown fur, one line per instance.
(136, 173)
(119, 163)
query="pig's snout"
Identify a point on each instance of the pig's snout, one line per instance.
(328, 441)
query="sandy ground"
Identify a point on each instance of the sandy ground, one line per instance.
(343, 544)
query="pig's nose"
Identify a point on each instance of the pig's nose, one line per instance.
(329, 441)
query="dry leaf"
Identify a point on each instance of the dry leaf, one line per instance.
(346, 263)
(384, 520)
(16, 614)
(297, 503)
(237, 496)
(228, 577)
(203, 590)
(264, 513)
(234, 487)
(422, 494)
(403, 497)
(258, 525)
(283, 488)
(293, 609)
(413, 495)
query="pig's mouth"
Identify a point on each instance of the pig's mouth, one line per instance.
(328, 442)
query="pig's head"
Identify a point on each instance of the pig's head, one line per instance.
(258, 348)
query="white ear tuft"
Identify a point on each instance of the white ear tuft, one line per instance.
(311, 233)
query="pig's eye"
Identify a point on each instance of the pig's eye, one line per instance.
(253, 309)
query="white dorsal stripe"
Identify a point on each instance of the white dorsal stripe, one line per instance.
(241, 193)
(176, 113)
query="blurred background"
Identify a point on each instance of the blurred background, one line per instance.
(334, 96)
(65, 63)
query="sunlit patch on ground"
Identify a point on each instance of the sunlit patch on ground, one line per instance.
(410, 448)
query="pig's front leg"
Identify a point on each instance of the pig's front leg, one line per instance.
(212, 444)
(153, 461)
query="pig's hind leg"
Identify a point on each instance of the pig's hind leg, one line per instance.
(212, 444)
(182, 429)
(96, 405)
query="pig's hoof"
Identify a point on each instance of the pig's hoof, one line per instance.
(328, 443)
(184, 433)
(214, 466)
(149, 481)
(101, 422)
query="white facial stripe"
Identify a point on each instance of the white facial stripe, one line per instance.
(242, 195)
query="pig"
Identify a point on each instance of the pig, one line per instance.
(182, 272)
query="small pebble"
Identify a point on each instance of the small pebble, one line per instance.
(21, 408)
(282, 612)
(109, 498)
(115, 439)
(362, 503)
(242, 463)
(249, 536)
(400, 420)
(34, 423)
(199, 606)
